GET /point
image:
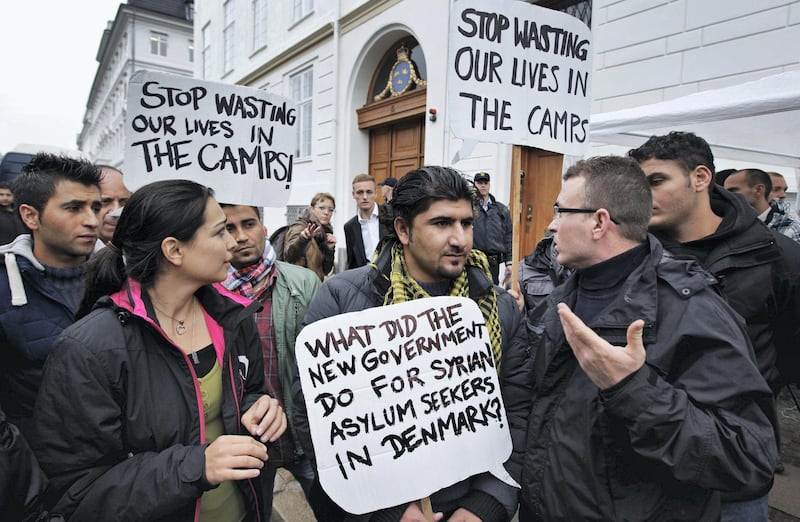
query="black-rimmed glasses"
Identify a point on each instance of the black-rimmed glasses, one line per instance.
(557, 211)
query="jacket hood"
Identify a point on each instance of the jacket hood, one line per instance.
(22, 246)
(737, 215)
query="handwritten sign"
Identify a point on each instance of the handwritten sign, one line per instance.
(520, 74)
(238, 140)
(401, 394)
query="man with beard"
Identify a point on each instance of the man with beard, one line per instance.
(284, 290)
(430, 254)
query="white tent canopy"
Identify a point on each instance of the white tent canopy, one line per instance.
(753, 122)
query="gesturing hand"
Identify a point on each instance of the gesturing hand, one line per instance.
(309, 231)
(265, 419)
(606, 365)
(234, 457)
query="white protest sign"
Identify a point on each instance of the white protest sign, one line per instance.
(238, 140)
(520, 74)
(402, 400)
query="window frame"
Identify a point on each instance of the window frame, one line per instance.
(304, 104)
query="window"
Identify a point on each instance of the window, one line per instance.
(302, 85)
(227, 38)
(301, 9)
(259, 24)
(158, 44)
(580, 9)
(191, 51)
(207, 51)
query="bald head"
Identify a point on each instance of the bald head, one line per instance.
(779, 186)
(753, 184)
(113, 195)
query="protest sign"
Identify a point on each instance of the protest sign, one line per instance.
(238, 140)
(519, 74)
(402, 400)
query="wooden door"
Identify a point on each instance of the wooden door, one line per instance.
(539, 188)
(396, 149)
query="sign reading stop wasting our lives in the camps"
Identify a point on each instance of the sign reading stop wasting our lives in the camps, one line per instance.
(399, 397)
(240, 141)
(520, 74)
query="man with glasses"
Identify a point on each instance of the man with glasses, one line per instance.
(363, 231)
(643, 407)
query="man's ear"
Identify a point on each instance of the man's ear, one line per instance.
(402, 230)
(602, 222)
(30, 216)
(172, 251)
(702, 178)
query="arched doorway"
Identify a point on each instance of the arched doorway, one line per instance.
(394, 112)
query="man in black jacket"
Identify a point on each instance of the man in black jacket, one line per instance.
(758, 269)
(493, 227)
(364, 231)
(644, 407)
(431, 255)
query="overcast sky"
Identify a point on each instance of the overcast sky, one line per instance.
(47, 65)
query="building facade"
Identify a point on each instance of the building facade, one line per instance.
(154, 35)
(332, 58)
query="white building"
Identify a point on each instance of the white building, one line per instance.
(154, 35)
(332, 58)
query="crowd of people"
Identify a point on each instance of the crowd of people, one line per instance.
(148, 372)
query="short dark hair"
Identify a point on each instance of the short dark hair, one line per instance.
(36, 184)
(5, 185)
(607, 178)
(417, 190)
(754, 177)
(170, 208)
(685, 148)
(258, 210)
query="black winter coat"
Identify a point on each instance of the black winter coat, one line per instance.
(119, 426)
(661, 444)
(365, 287)
(759, 274)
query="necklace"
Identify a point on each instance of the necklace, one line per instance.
(180, 325)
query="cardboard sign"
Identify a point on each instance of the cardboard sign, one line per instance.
(240, 141)
(520, 74)
(402, 400)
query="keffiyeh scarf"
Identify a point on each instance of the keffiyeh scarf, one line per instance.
(404, 288)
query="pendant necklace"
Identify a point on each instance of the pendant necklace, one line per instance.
(180, 325)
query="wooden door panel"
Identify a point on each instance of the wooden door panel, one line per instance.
(540, 188)
(396, 149)
(380, 144)
(401, 167)
(406, 140)
(379, 171)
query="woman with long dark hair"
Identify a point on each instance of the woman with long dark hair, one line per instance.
(152, 404)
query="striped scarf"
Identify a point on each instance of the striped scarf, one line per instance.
(404, 288)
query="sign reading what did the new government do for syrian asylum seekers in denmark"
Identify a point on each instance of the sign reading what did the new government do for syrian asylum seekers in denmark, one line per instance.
(519, 74)
(401, 395)
(240, 141)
